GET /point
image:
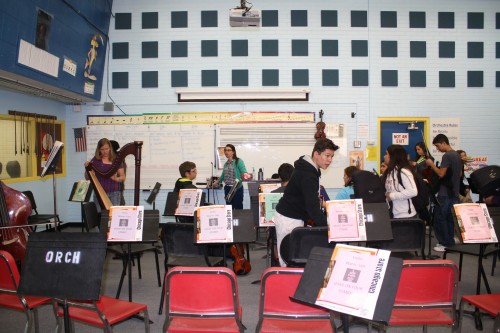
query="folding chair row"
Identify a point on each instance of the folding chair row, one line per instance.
(205, 299)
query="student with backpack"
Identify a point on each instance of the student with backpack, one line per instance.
(399, 182)
(447, 196)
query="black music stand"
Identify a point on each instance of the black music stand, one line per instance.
(64, 266)
(149, 235)
(81, 192)
(50, 167)
(152, 197)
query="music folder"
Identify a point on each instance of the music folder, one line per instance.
(232, 191)
(314, 274)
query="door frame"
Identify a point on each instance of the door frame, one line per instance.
(380, 120)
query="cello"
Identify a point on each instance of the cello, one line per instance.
(15, 208)
(241, 266)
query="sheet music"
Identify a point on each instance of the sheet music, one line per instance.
(475, 223)
(353, 280)
(214, 224)
(267, 207)
(188, 201)
(346, 220)
(126, 223)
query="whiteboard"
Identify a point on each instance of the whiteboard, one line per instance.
(267, 146)
(164, 148)
(259, 145)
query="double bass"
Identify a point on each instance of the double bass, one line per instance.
(15, 208)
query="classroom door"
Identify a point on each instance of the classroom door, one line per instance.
(407, 132)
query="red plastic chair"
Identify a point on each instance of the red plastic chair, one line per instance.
(10, 299)
(277, 313)
(489, 303)
(104, 313)
(202, 299)
(427, 294)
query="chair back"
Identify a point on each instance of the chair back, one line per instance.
(301, 242)
(31, 198)
(202, 292)
(277, 285)
(90, 215)
(408, 235)
(179, 240)
(428, 283)
(9, 274)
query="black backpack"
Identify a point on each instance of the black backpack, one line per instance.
(368, 187)
(421, 200)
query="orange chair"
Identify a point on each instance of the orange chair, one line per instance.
(277, 313)
(202, 299)
(9, 298)
(104, 313)
(489, 303)
(427, 294)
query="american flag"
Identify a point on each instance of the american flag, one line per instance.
(80, 139)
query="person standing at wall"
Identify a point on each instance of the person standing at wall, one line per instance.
(300, 201)
(103, 161)
(399, 182)
(449, 173)
(234, 169)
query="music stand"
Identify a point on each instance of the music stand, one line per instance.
(50, 166)
(152, 196)
(81, 192)
(64, 266)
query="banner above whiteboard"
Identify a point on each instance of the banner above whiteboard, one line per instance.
(204, 118)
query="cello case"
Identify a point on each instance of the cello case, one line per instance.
(486, 181)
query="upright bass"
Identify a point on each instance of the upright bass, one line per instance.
(15, 208)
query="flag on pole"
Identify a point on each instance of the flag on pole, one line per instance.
(80, 139)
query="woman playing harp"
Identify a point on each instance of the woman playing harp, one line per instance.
(103, 161)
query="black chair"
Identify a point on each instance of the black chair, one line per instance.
(295, 248)
(181, 250)
(37, 218)
(408, 236)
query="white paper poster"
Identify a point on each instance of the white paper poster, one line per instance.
(214, 224)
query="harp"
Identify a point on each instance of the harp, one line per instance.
(132, 148)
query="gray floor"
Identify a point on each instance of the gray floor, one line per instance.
(146, 291)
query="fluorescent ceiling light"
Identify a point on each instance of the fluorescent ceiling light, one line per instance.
(242, 94)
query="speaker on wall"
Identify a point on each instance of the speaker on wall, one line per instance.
(108, 106)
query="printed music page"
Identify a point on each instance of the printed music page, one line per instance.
(346, 220)
(125, 223)
(475, 223)
(188, 201)
(266, 188)
(267, 207)
(214, 224)
(353, 280)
